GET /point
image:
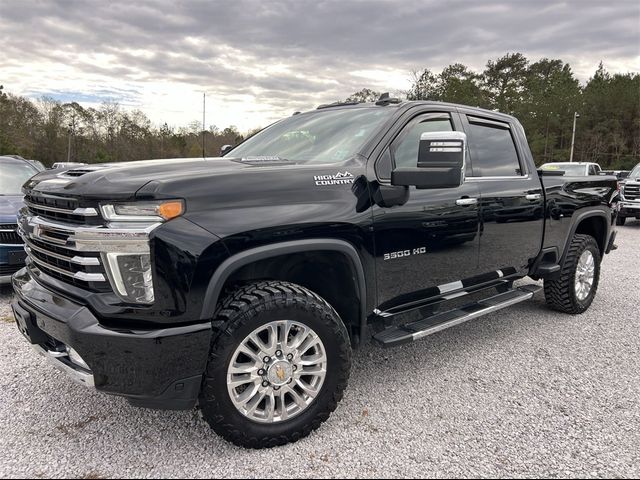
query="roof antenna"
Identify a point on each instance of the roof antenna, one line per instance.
(385, 100)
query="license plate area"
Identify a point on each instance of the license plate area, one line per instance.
(27, 324)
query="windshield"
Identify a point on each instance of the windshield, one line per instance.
(325, 136)
(13, 175)
(635, 173)
(568, 169)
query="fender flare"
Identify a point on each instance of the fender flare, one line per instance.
(239, 260)
(597, 212)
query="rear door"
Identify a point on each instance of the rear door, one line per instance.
(511, 197)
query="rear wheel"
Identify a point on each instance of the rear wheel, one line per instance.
(278, 366)
(576, 288)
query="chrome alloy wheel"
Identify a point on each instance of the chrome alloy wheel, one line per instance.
(585, 275)
(277, 371)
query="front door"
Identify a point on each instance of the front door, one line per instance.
(425, 247)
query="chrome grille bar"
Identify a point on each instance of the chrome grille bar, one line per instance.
(84, 212)
(86, 261)
(85, 277)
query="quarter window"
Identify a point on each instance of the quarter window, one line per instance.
(493, 151)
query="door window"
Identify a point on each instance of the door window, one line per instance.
(404, 151)
(493, 150)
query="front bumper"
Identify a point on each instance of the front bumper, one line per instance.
(159, 368)
(629, 209)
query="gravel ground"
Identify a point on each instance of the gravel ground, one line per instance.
(525, 392)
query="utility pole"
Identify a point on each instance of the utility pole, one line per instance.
(204, 100)
(576, 115)
(72, 127)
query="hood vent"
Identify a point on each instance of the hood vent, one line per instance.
(263, 160)
(78, 172)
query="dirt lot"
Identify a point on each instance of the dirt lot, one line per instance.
(524, 392)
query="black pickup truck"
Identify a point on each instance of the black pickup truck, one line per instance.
(242, 283)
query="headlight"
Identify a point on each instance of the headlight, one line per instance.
(142, 211)
(127, 258)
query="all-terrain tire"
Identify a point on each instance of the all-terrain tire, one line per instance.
(560, 294)
(239, 314)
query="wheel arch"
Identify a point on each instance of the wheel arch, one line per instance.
(264, 257)
(594, 223)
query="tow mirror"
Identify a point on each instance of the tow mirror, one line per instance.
(441, 162)
(225, 149)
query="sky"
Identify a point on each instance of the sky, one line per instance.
(258, 61)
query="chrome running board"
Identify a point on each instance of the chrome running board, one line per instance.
(413, 331)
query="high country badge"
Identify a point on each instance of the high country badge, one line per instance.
(339, 178)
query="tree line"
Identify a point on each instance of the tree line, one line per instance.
(52, 131)
(543, 95)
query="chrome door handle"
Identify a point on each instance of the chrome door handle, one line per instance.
(465, 202)
(534, 196)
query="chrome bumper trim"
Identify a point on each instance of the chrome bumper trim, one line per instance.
(78, 376)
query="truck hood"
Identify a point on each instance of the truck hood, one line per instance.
(184, 178)
(123, 180)
(9, 207)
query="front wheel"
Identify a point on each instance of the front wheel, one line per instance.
(278, 365)
(576, 288)
(621, 220)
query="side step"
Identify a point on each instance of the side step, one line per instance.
(416, 330)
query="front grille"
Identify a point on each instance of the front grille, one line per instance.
(53, 252)
(60, 209)
(9, 234)
(631, 192)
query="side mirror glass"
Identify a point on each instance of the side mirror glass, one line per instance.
(440, 164)
(225, 149)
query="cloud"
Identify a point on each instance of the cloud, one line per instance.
(260, 60)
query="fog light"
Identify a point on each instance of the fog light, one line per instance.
(76, 359)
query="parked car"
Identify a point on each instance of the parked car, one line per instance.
(36, 163)
(60, 165)
(242, 283)
(574, 169)
(619, 174)
(14, 172)
(630, 196)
